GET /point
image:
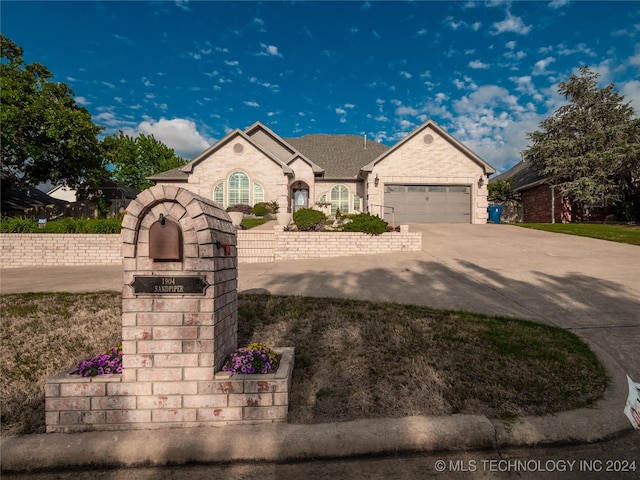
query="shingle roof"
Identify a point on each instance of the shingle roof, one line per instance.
(175, 175)
(341, 156)
(523, 175)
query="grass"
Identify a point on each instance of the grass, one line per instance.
(614, 233)
(250, 223)
(353, 359)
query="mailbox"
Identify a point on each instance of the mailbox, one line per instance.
(165, 240)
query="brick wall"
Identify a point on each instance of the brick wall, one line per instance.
(52, 249)
(107, 402)
(254, 246)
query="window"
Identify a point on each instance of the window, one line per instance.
(218, 194)
(356, 203)
(258, 193)
(238, 189)
(339, 199)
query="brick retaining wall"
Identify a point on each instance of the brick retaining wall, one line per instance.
(107, 402)
(254, 246)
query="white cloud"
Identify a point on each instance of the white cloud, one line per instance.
(405, 74)
(510, 24)
(631, 92)
(477, 64)
(540, 67)
(558, 3)
(82, 101)
(178, 133)
(269, 51)
(250, 103)
(635, 60)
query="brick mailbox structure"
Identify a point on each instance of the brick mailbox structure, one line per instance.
(179, 323)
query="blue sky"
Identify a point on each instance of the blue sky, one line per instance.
(191, 71)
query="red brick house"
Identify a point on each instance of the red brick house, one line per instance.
(541, 202)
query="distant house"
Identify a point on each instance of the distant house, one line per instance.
(16, 202)
(107, 189)
(427, 177)
(541, 202)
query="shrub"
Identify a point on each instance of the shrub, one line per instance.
(62, 225)
(366, 223)
(18, 225)
(256, 358)
(308, 219)
(246, 209)
(262, 208)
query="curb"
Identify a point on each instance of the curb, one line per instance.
(279, 442)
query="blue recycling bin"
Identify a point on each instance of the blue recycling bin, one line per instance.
(494, 213)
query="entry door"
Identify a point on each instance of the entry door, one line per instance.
(300, 199)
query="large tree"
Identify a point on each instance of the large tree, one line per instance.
(590, 147)
(45, 134)
(135, 159)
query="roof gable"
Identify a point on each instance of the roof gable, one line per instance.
(188, 168)
(488, 169)
(264, 136)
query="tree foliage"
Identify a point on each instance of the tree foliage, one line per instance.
(45, 134)
(135, 159)
(503, 191)
(590, 148)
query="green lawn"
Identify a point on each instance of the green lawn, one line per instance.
(250, 223)
(614, 233)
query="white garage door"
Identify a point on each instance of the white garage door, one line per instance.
(427, 204)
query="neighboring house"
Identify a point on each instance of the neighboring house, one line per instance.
(427, 177)
(107, 189)
(16, 202)
(541, 202)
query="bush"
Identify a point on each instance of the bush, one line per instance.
(18, 225)
(263, 208)
(366, 223)
(63, 225)
(246, 209)
(308, 219)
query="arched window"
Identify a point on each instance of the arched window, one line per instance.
(238, 189)
(258, 193)
(339, 199)
(218, 194)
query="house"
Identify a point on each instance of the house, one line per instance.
(427, 177)
(107, 189)
(541, 202)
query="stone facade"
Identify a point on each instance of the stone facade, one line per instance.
(441, 162)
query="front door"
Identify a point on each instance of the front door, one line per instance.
(300, 199)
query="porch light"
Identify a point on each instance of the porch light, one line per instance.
(480, 181)
(376, 181)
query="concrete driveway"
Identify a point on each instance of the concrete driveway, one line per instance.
(591, 287)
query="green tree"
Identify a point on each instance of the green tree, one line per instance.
(135, 159)
(503, 191)
(589, 148)
(45, 135)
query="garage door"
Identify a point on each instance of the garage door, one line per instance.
(427, 204)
